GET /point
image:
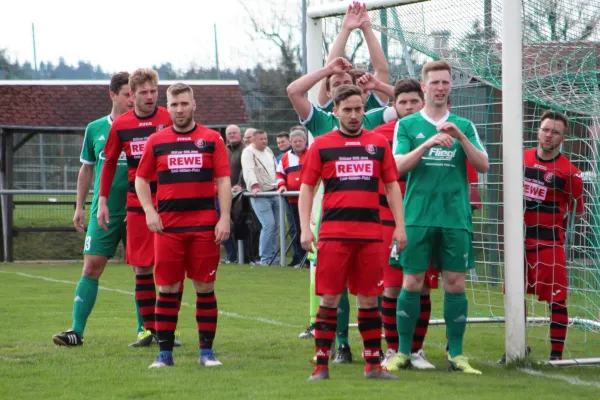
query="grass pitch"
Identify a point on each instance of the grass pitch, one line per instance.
(263, 309)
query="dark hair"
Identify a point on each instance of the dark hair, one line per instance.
(408, 86)
(258, 132)
(117, 81)
(352, 76)
(345, 91)
(298, 128)
(555, 116)
(283, 134)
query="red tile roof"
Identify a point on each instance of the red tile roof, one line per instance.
(73, 104)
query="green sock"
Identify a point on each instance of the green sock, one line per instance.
(456, 309)
(140, 319)
(314, 303)
(407, 314)
(343, 320)
(85, 297)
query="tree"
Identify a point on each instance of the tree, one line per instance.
(559, 21)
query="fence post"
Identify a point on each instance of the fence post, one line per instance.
(282, 212)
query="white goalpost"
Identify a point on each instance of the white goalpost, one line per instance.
(510, 245)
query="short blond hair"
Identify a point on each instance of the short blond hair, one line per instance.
(141, 76)
(434, 66)
(178, 88)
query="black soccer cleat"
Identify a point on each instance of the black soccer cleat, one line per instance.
(68, 339)
(145, 339)
(344, 355)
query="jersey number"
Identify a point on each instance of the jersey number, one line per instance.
(88, 243)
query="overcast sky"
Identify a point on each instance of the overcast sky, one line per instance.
(122, 34)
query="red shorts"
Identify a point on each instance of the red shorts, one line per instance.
(139, 250)
(546, 274)
(191, 253)
(342, 265)
(393, 277)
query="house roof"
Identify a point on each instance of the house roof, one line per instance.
(56, 105)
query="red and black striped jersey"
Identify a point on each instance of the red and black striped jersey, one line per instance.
(351, 168)
(289, 170)
(387, 218)
(130, 133)
(550, 188)
(187, 164)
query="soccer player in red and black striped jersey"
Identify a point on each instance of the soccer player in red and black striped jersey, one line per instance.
(188, 159)
(553, 187)
(350, 161)
(129, 133)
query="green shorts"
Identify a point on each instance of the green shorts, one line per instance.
(448, 249)
(101, 243)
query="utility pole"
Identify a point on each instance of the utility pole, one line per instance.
(217, 53)
(304, 50)
(35, 65)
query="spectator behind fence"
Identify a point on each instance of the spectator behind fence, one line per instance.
(283, 144)
(259, 167)
(249, 136)
(288, 178)
(234, 151)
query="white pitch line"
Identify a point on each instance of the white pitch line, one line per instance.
(573, 380)
(106, 289)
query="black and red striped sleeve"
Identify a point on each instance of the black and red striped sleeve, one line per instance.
(112, 151)
(311, 172)
(147, 166)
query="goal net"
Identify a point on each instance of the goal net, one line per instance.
(561, 71)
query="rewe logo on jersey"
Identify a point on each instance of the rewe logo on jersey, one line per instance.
(137, 147)
(184, 161)
(439, 154)
(535, 191)
(354, 168)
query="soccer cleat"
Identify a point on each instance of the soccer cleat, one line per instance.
(177, 342)
(209, 360)
(419, 361)
(344, 355)
(387, 357)
(503, 359)
(321, 373)
(68, 339)
(309, 333)
(380, 373)
(461, 363)
(398, 361)
(164, 359)
(145, 339)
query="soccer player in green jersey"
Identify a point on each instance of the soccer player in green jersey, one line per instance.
(357, 17)
(319, 122)
(432, 147)
(99, 245)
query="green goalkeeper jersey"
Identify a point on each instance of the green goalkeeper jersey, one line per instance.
(92, 153)
(437, 189)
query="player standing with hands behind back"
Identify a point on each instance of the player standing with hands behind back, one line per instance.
(433, 145)
(189, 159)
(350, 161)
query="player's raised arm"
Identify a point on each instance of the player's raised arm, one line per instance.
(297, 90)
(376, 54)
(470, 143)
(112, 151)
(372, 82)
(351, 21)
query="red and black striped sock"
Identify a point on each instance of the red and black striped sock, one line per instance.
(206, 318)
(166, 320)
(422, 323)
(388, 315)
(369, 325)
(180, 296)
(145, 296)
(325, 326)
(559, 320)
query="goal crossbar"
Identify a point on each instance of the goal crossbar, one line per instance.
(340, 8)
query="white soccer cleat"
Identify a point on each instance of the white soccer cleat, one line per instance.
(387, 357)
(419, 361)
(209, 360)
